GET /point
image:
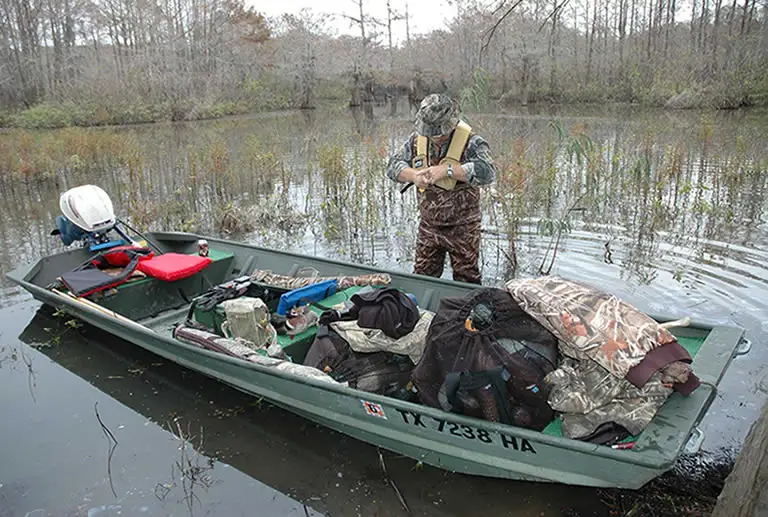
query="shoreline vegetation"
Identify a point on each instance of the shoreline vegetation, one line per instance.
(117, 62)
(49, 115)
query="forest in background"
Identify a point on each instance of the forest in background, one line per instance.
(95, 62)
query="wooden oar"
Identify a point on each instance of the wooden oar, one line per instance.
(103, 310)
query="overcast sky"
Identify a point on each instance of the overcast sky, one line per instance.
(425, 15)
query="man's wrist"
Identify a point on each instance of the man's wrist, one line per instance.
(408, 175)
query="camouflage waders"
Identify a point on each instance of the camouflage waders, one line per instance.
(461, 242)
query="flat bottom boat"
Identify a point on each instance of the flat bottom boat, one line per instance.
(144, 312)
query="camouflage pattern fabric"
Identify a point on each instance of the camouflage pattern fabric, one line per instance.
(437, 115)
(294, 282)
(588, 395)
(374, 340)
(461, 242)
(235, 348)
(589, 323)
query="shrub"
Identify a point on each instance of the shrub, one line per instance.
(43, 116)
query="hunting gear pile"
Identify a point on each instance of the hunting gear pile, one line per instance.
(536, 353)
(619, 364)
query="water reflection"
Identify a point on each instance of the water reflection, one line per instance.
(83, 444)
(679, 199)
(321, 468)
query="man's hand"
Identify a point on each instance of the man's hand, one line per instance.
(422, 179)
(437, 172)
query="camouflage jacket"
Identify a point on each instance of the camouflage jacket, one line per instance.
(589, 323)
(461, 205)
(588, 395)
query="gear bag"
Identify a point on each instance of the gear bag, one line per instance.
(487, 358)
(378, 372)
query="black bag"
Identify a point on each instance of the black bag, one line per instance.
(378, 372)
(485, 357)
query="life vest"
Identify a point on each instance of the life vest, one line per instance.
(455, 149)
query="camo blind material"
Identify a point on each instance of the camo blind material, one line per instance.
(294, 282)
(588, 396)
(590, 324)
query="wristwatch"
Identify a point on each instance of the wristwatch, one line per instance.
(450, 170)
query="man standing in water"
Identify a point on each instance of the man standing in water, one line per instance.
(447, 163)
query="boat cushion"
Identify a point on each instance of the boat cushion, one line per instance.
(173, 266)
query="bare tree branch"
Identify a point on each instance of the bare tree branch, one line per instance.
(492, 30)
(554, 11)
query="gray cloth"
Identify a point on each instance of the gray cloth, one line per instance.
(374, 340)
(238, 348)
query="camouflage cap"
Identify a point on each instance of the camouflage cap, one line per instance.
(437, 115)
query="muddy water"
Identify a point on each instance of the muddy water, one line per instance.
(673, 221)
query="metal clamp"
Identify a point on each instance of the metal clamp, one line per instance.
(695, 440)
(745, 345)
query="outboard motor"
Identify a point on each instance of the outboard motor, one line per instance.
(88, 217)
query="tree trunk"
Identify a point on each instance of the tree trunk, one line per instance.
(650, 29)
(693, 26)
(591, 44)
(703, 21)
(605, 26)
(751, 16)
(525, 81)
(622, 35)
(745, 493)
(552, 54)
(389, 34)
(715, 31)
(731, 17)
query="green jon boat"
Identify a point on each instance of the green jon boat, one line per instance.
(144, 312)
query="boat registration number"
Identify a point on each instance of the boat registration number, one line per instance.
(466, 432)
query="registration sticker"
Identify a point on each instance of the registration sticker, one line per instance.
(374, 409)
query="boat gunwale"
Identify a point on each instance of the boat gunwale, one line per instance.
(175, 236)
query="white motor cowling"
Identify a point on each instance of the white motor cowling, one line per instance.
(88, 207)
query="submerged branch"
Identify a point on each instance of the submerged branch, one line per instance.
(389, 481)
(31, 375)
(556, 238)
(112, 446)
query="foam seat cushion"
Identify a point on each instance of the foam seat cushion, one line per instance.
(173, 266)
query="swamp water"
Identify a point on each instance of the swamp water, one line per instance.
(666, 210)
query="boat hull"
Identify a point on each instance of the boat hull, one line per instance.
(448, 441)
